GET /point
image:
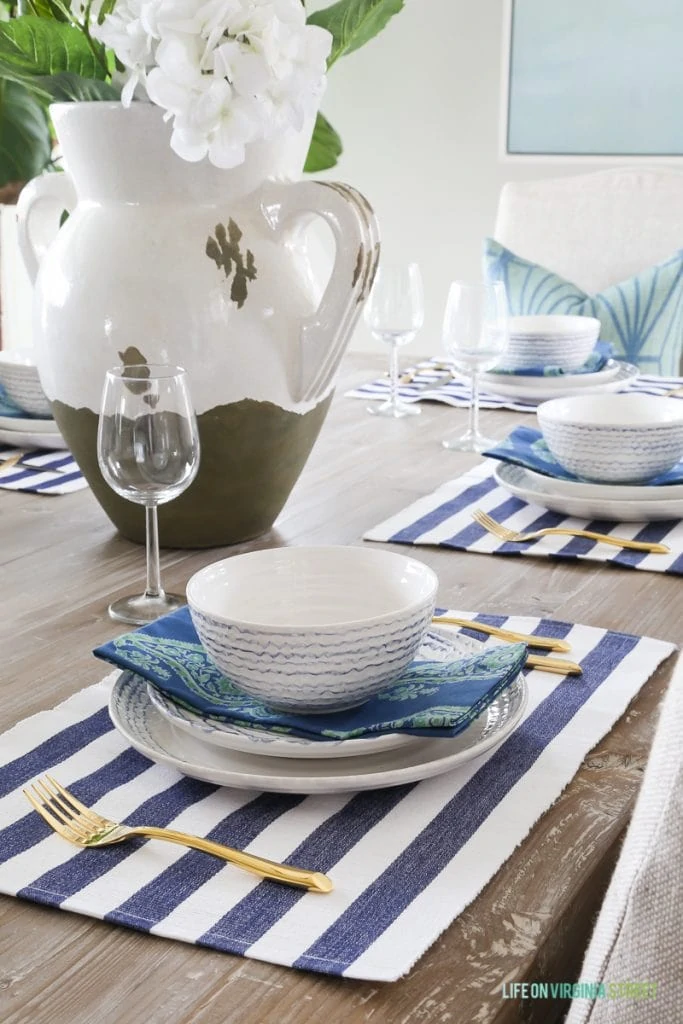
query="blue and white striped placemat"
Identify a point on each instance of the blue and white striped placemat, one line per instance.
(405, 861)
(444, 519)
(436, 385)
(41, 472)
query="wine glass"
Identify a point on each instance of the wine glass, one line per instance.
(394, 313)
(475, 336)
(148, 452)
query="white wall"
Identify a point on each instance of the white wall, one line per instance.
(418, 111)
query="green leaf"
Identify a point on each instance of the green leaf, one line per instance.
(325, 148)
(32, 46)
(353, 23)
(45, 9)
(24, 135)
(67, 86)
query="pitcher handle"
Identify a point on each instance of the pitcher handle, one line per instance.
(39, 209)
(325, 334)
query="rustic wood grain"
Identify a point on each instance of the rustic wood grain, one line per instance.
(61, 563)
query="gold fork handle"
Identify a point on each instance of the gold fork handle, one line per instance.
(547, 643)
(314, 881)
(557, 665)
(636, 545)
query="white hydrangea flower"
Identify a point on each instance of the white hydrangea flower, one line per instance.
(226, 72)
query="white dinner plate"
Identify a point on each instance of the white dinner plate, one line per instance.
(139, 722)
(439, 645)
(609, 492)
(32, 439)
(540, 491)
(541, 389)
(32, 423)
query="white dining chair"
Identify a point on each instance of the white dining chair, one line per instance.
(637, 937)
(594, 229)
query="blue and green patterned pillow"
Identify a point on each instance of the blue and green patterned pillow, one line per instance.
(642, 317)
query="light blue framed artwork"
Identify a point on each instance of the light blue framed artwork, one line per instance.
(593, 78)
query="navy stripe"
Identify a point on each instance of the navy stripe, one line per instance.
(253, 916)
(64, 478)
(156, 900)
(432, 850)
(58, 748)
(436, 516)
(31, 829)
(65, 881)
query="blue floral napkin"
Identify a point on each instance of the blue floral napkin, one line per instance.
(432, 698)
(598, 358)
(526, 447)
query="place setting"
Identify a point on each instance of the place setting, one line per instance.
(602, 479)
(542, 357)
(307, 703)
(33, 453)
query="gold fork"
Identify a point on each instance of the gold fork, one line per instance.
(80, 825)
(501, 531)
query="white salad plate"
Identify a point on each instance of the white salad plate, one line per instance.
(541, 490)
(611, 492)
(438, 645)
(32, 423)
(32, 438)
(614, 375)
(152, 735)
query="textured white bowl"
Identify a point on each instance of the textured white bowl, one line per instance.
(618, 439)
(564, 341)
(313, 629)
(19, 377)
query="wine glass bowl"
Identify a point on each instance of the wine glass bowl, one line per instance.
(148, 452)
(475, 336)
(394, 314)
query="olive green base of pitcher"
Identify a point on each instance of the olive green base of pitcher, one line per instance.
(251, 456)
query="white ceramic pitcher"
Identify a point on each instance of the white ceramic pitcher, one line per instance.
(161, 260)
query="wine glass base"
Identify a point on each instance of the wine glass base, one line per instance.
(141, 609)
(395, 410)
(469, 442)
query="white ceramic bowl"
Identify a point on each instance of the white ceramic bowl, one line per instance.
(617, 439)
(313, 629)
(19, 377)
(564, 341)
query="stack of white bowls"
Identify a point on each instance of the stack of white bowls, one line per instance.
(30, 424)
(561, 341)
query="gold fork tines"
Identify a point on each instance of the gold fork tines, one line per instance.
(82, 826)
(498, 530)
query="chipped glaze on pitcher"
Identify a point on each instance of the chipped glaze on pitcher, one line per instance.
(164, 261)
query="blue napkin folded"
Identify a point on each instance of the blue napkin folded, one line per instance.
(526, 447)
(431, 698)
(596, 361)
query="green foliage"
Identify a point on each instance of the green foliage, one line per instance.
(353, 23)
(67, 86)
(34, 48)
(24, 136)
(325, 148)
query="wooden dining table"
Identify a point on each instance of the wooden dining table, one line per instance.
(62, 563)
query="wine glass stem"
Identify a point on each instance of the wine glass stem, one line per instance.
(474, 404)
(153, 588)
(393, 372)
